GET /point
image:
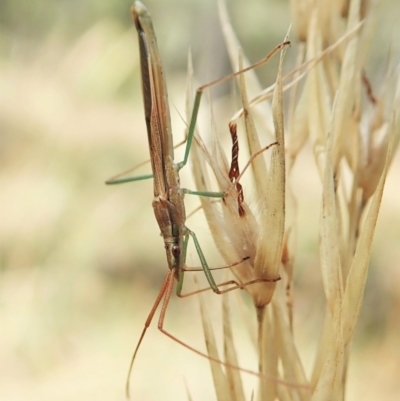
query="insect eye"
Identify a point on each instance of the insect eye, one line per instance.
(176, 251)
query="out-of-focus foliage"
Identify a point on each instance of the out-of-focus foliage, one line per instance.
(34, 19)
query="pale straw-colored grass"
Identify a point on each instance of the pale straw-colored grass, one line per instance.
(353, 131)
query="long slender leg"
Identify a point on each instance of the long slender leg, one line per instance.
(164, 291)
(200, 269)
(253, 156)
(235, 285)
(200, 90)
(192, 124)
(207, 194)
(227, 365)
(115, 180)
(209, 276)
(182, 273)
(203, 262)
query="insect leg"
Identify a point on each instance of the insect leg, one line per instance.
(164, 291)
(209, 276)
(115, 180)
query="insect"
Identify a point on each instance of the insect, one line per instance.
(168, 201)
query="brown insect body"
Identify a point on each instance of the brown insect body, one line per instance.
(168, 203)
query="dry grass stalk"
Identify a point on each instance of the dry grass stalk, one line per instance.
(353, 133)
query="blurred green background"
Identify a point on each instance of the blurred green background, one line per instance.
(81, 263)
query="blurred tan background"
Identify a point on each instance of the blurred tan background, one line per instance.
(81, 263)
